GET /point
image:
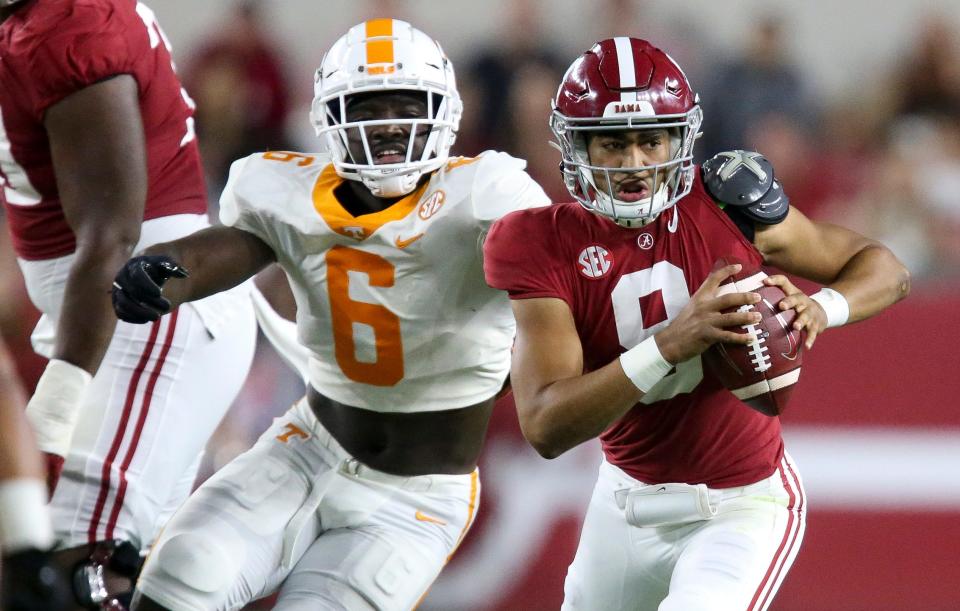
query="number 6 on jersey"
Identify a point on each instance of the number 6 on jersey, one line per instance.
(345, 312)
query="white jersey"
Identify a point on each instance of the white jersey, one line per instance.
(392, 305)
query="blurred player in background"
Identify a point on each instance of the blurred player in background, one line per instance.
(357, 497)
(30, 580)
(98, 157)
(696, 506)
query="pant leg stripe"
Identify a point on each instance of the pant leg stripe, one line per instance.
(471, 514)
(793, 548)
(141, 420)
(118, 436)
(790, 536)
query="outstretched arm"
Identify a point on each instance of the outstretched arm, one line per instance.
(865, 273)
(217, 258)
(196, 266)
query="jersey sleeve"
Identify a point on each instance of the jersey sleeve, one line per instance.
(238, 205)
(93, 41)
(521, 256)
(501, 186)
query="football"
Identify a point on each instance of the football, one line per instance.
(763, 373)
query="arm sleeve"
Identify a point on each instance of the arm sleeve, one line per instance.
(518, 258)
(238, 208)
(90, 44)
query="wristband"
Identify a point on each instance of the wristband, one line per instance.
(834, 304)
(24, 515)
(55, 406)
(644, 364)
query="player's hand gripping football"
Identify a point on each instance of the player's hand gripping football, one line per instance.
(702, 322)
(137, 288)
(810, 314)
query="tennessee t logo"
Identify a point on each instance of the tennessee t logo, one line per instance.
(292, 431)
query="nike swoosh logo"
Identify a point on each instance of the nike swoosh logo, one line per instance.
(404, 243)
(422, 517)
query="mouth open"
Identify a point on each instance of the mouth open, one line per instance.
(389, 153)
(632, 191)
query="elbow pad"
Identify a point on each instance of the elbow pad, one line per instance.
(745, 180)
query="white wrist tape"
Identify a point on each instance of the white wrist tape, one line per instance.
(55, 406)
(834, 304)
(644, 364)
(24, 516)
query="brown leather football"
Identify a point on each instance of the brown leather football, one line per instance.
(763, 373)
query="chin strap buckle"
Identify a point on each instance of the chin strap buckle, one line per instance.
(89, 576)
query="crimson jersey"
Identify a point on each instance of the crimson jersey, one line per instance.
(622, 286)
(49, 50)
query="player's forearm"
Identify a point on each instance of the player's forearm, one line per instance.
(217, 258)
(872, 280)
(87, 321)
(565, 413)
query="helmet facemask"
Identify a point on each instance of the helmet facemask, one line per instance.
(672, 179)
(399, 177)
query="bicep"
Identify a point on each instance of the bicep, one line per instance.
(99, 157)
(547, 347)
(813, 250)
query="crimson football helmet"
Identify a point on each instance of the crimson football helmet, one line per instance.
(626, 84)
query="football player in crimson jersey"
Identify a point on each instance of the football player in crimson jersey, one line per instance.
(697, 506)
(98, 157)
(360, 493)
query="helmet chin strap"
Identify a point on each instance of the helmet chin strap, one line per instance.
(604, 201)
(390, 185)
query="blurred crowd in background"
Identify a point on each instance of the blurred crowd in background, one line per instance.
(883, 160)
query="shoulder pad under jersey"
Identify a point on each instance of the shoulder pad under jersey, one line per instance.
(745, 180)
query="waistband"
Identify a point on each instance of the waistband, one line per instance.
(438, 483)
(623, 483)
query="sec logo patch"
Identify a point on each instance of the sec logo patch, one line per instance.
(594, 261)
(431, 205)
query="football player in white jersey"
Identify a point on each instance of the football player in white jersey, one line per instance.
(357, 497)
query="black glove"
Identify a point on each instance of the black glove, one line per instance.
(32, 582)
(137, 295)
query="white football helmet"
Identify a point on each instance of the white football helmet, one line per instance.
(386, 55)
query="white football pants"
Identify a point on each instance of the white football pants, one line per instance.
(734, 561)
(158, 396)
(298, 513)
